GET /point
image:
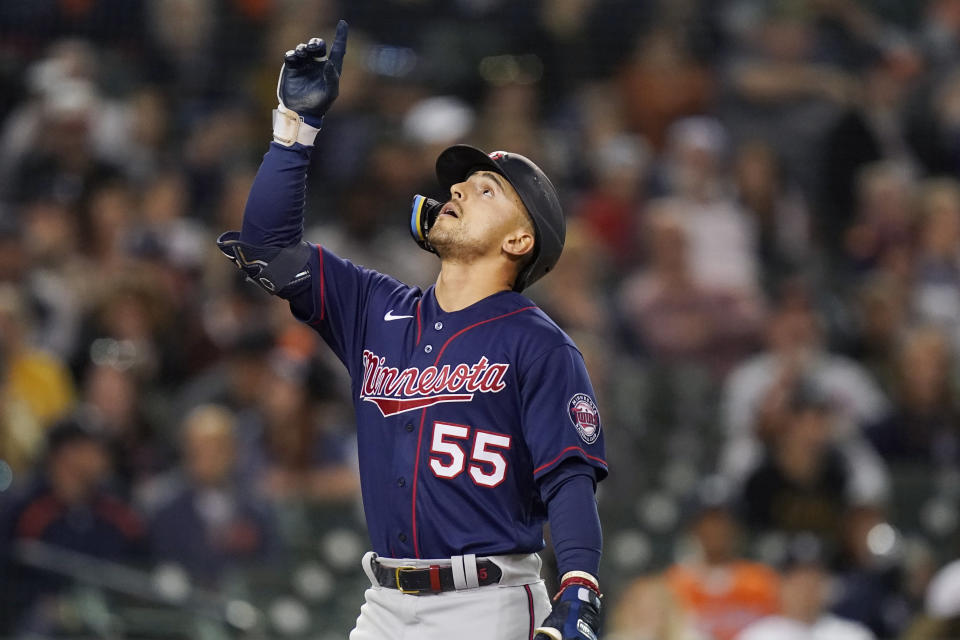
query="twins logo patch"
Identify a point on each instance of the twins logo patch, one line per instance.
(585, 417)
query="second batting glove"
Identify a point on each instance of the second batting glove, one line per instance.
(576, 611)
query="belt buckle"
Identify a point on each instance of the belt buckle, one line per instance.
(399, 587)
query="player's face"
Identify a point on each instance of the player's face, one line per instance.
(484, 212)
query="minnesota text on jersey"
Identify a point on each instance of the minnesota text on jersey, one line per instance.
(395, 391)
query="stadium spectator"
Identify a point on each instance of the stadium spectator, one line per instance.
(65, 507)
(934, 122)
(941, 20)
(806, 481)
(721, 591)
(873, 127)
(722, 237)
(61, 162)
(804, 589)
(133, 319)
(663, 79)
(302, 450)
(924, 428)
(206, 520)
(56, 83)
(787, 77)
(577, 296)
(35, 387)
(55, 277)
(648, 609)
(936, 278)
(137, 452)
(941, 617)
(881, 236)
(795, 349)
(673, 318)
(881, 314)
(611, 208)
(779, 213)
(870, 576)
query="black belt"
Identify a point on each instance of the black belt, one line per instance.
(432, 579)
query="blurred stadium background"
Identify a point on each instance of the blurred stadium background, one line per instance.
(762, 270)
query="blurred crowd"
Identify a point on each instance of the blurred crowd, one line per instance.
(762, 270)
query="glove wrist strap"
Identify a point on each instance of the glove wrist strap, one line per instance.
(580, 579)
(289, 128)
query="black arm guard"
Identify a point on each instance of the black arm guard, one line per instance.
(279, 272)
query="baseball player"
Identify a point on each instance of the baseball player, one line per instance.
(476, 420)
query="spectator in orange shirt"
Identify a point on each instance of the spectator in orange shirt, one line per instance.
(648, 610)
(721, 591)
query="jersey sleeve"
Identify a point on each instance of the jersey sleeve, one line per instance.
(561, 419)
(336, 302)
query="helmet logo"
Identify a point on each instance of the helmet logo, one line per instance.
(498, 155)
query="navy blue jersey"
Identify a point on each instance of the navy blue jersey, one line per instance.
(458, 414)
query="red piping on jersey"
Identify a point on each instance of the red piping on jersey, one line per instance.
(418, 322)
(555, 460)
(476, 324)
(416, 468)
(423, 417)
(533, 623)
(322, 295)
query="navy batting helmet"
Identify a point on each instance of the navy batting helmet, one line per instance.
(537, 193)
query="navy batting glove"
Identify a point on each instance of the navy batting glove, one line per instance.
(309, 80)
(575, 615)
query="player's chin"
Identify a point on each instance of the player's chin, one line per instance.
(450, 246)
(443, 248)
(441, 237)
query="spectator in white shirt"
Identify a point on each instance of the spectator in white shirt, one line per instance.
(804, 586)
(723, 238)
(795, 349)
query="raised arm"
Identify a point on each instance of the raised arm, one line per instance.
(269, 248)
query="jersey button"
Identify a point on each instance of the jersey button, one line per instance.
(409, 426)
(438, 326)
(428, 348)
(401, 482)
(402, 537)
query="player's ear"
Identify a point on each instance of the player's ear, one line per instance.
(518, 243)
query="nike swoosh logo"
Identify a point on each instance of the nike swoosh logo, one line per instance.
(389, 316)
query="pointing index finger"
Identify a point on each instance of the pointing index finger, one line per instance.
(339, 48)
